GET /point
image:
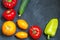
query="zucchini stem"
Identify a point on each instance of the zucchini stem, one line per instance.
(19, 15)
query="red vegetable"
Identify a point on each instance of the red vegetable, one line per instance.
(35, 32)
(9, 14)
(9, 3)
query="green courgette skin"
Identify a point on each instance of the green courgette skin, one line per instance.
(23, 6)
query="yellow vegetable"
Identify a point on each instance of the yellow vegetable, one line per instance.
(51, 28)
(8, 28)
(22, 24)
(21, 35)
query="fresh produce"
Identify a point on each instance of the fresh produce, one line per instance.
(9, 3)
(35, 32)
(51, 28)
(22, 24)
(8, 28)
(9, 14)
(21, 35)
(23, 6)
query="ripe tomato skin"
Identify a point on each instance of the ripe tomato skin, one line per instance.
(35, 32)
(8, 28)
(9, 3)
(9, 14)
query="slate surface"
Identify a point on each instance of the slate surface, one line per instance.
(38, 12)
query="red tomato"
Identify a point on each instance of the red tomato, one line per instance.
(9, 14)
(9, 3)
(35, 32)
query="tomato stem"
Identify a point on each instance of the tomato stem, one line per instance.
(9, 0)
(34, 31)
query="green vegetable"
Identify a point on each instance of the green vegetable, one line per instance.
(51, 28)
(9, 0)
(23, 6)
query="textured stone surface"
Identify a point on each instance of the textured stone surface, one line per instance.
(38, 12)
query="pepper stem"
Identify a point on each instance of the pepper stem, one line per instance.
(48, 37)
(9, 0)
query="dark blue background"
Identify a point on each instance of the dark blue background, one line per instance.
(38, 12)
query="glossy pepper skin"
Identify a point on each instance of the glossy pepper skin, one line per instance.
(23, 6)
(9, 14)
(51, 28)
(9, 3)
(35, 32)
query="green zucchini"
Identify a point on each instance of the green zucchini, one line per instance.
(23, 6)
